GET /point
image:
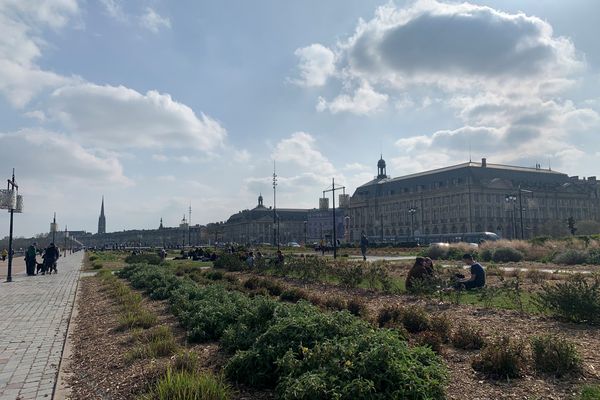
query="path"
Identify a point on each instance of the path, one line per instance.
(33, 324)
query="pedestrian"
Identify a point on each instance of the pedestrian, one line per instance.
(280, 260)
(4, 254)
(250, 260)
(477, 278)
(50, 257)
(421, 272)
(30, 259)
(364, 242)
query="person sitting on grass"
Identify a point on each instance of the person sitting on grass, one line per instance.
(420, 273)
(477, 279)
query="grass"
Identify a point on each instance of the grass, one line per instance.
(190, 263)
(153, 343)
(590, 392)
(184, 385)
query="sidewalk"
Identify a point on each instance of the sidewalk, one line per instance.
(33, 325)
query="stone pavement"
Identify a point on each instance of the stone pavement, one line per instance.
(34, 317)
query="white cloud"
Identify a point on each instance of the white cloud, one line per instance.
(117, 117)
(21, 43)
(160, 157)
(300, 149)
(114, 9)
(241, 156)
(364, 101)
(153, 21)
(55, 158)
(316, 65)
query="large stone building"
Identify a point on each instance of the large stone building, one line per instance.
(258, 225)
(470, 197)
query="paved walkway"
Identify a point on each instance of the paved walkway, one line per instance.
(34, 316)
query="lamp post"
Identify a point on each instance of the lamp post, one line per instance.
(333, 189)
(66, 236)
(13, 203)
(305, 222)
(412, 212)
(512, 199)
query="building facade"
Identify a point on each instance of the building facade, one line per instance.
(470, 197)
(260, 225)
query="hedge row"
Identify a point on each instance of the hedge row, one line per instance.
(297, 349)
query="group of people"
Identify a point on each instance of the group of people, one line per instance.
(50, 256)
(422, 272)
(251, 258)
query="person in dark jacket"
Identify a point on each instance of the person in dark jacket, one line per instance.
(50, 257)
(364, 242)
(30, 260)
(421, 272)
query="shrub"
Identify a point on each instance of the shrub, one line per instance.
(351, 275)
(230, 262)
(214, 275)
(415, 319)
(571, 257)
(389, 316)
(486, 255)
(335, 303)
(376, 365)
(576, 300)
(97, 265)
(468, 338)
(378, 278)
(293, 295)
(251, 283)
(442, 326)
(555, 355)
(431, 339)
(140, 318)
(184, 385)
(594, 256)
(436, 252)
(502, 358)
(146, 258)
(537, 276)
(357, 307)
(507, 254)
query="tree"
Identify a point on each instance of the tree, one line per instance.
(554, 228)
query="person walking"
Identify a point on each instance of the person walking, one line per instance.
(30, 259)
(364, 242)
(50, 257)
(4, 254)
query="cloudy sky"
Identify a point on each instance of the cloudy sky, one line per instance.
(158, 104)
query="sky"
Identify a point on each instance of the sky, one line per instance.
(158, 105)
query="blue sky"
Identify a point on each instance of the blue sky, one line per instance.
(157, 104)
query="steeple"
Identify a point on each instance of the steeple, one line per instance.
(381, 172)
(102, 219)
(161, 225)
(260, 200)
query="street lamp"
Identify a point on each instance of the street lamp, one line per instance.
(412, 212)
(53, 229)
(66, 236)
(13, 202)
(305, 222)
(512, 199)
(333, 189)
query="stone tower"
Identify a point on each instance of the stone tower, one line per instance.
(102, 219)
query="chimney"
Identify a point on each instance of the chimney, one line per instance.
(483, 163)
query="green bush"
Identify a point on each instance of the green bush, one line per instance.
(378, 364)
(502, 358)
(467, 337)
(594, 256)
(436, 252)
(293, 295)
(302, 325)
(507, 254)
(97, 265)
(184, 385)
(145, 258)
(351, 275)
(389, 316)
(576, 300)
(555, 355)
(486, 255)
(442, 326)
(415, 319)
(214, 275)
(335, 302)
(571, 257)
(229, 262)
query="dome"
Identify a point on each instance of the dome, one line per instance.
(381, 163)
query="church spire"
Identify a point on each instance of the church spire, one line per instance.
(102, 219)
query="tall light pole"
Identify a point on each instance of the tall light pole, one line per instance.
(13, 202)
(333, 189)
(412, 212)
(305, 222)
(275, 217)
(190, 226)
(510, 198)
(66, 236)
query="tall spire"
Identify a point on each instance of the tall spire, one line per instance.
(102, 219)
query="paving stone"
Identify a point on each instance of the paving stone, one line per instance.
(35, 316)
